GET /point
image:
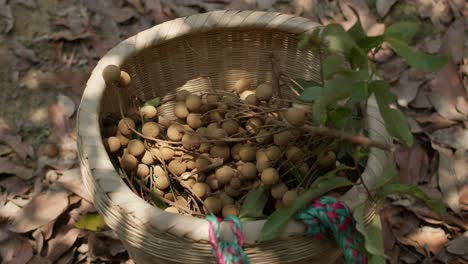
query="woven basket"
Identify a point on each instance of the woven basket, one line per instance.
(201, 52)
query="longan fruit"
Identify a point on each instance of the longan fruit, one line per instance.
(279, 204)
(225, 199)
(235, 183)
(191, 141)
(274, 153)
(242, 85)
(128, 162)
(142, 170)
(220, 151)
(175, 132)
(151, 129)
(147, 158)
(201, 163)
(177, 167)
(247, 153)
(194, 120)
(264, 92)
(230, 126)
(111, 74)
(264, 137)
(213, 182)
(182, 95)
(225, 174)
(253, 125)
(303, 168)
(149, 111)
(327, 159)
(222, 108)
(190, 182)
(125, 79)
(200, 189)
(165, 153)
(172, 209)
(251, 99)
(270, 176)
(164, 121)
(124, 126)
(112, 143)
(193, 102)
(231, 191)
(169, 196)
(213, 204)
(217, 133)
(261, 154)
(212, 98)
(262, 164)
(248, 171)
(189, 162)
(282, 138)
(202, 131)
(235, 151)
(289, 197)
(162, 182)
(295, 116)
(243, 96)
(158, 171)
(216, 116)
(180, 110)
(212, 126)
(204, 147)
(278, 191)
(123, 139)
(160, 193)
(294, 154)
(136, 147)
(229, 210)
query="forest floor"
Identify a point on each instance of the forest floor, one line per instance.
(48, 49)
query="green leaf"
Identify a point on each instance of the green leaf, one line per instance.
(154, 102)
(157, 200)
(414, 58)
(368, 43)
(92, 222)
(334, 64)
(395, 121)
(312, 39)
(377, 260)
(356, 31)
(389, 175)
(404, 31)
(277, 221)
(336, 89)
(359, 94)
(436, 205)
(254, 203)
(311, 94)
(373, 240)
(337, 39)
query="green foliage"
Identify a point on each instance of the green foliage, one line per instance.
(390, 175)
(156, 199)
(372, 233)
(91, 221)
(253, 205)
(154, 102)
(404, 30)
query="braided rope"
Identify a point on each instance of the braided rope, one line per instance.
(327, 213)
(225, 252)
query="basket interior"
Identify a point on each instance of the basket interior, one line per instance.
(212, 60)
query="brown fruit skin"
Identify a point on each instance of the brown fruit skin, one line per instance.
(282, 138)
(175, 132)
(164, 121)
(147, 158)
(225, 174)
(295, 116)
(278, 191)
(235, 151)
(51, 150)
(191, 141)
(243, 96)
(159, 192)
(125, 79)
(217, 133)
(264, 137)
(279, 204)
(172, 209)
(261, 154)
(212, 98)
(193, 102)
(294, 154)
(235, 183)
(182, 95)
(200, 189)
(202, 163)
(230, 126)
(225, 199)
(194, 120)
(247, 153)
(220, 151)
(274, 153)
(151, 129)
(264, 92)
(162, 182)
(216, 116)
(170, 197)
(289, 197)
(177, 167)
(149, 111)
(112, 144)
(262, 164)
(229, 210)
(303, 169)
(123, 139)
(253, 125)
(213, 204)
(180, 110)
(204, 147)
(231, 191)
(128, 162)
(242, 85)
(270, 176)
(251, 99)
(111, 74)
(142, 170)
(136, 147)
(124, 125)
(213, 182)
(327, 159)
(248, 171)
(202, 131)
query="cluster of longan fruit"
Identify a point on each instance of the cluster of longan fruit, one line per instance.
(222, 145)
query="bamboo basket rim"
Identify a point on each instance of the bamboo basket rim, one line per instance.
(95, 162)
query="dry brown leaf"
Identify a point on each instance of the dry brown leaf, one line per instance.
(16, 250)
(62, 242)
(58, 120)
(426, 237)
(14, 186)
(24, 53)
(23, 149)
(27, 3)
(406, 89)
(8, 209)
(385, 214)
(48, 229)
(455, 137)
(433, 121)
(392, 69)
(445, 88)
(413, 163)
(121, 15)
(72, 181)
(440, 14)
(368, 21)
(68, 257)
(39, 239)
(462, 105)
(306, 8)
(459, 245)
(464, 198)
(6, 16)
(70, 36)
(384, 6)
(39, 260)
(137, 5)
(453, 42)
(8, 167)
(42, 209)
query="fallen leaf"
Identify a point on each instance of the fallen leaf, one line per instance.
(459, 245)
(464, 198)
(453, 42)
(386, 213)
(421, 101)
(62, 242)
(48, 229)
(445, 88)
(58, 120)
(8, 209)
(23, 149)
(137, 5)
(368, 21)
(432, 44)
(392, 69)
(406, 89)
(8, 167)
(432, 122)
(91, 222)
(21, 51)
(39, 239)
(452, 175)
(455, 137)
(440, 14)
(42, 209)
(66, 103)
(38, 80)
(27, 3)
(426, 237)
(16, 250)
(306, 8)
(413, 162)
(7, 16)
(121, 15)
(72, 181)
(462, 105)
(70, 36)
(383, 6)
(67, 258)
(14, 186)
